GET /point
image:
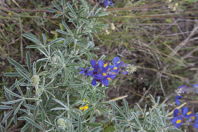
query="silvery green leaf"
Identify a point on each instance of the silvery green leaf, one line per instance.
(18, 108)
(73, 13)
(31, 122)
(12, 93)
(23, 74)
(12, 101)
(33, 46)
(6, 116)
(67, 28)
(62, 32)
(30, 107)
(62, 104)
(44, 39)
(17, 65)
(58, 108)
(32, 38)
(28, 61)
(5, 107)
(58, 40)
(11, 74)
(25, 128)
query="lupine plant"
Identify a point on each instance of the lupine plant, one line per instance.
(65, 89)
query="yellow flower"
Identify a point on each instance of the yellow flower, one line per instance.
(83, 108)
(105, 65)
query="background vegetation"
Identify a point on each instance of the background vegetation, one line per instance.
(44, 43)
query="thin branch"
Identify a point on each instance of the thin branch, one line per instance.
(183, 43)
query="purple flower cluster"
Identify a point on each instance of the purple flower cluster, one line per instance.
(103, 72)
(107, 3)
(183, 115)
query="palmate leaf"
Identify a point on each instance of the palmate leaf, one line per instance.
(20, 69)
(32, 38)
(62, 104)
(23, 74)
(41, 48)
(11, 93)
(17, 65)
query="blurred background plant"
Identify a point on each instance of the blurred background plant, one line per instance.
(47, 93)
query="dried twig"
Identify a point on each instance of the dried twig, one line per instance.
(183, 43)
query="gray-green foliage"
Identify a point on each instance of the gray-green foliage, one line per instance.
(152, 119)
(47, 93)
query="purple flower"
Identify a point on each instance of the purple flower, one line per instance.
(176, 112)
(195, 125)
(103, 72)
(107, 3)
(186, 113)
(177, 100)
(84, 71)
(185, 89)
(177, 121)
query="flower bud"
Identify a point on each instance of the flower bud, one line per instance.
(131, 68)
(107, 32)
(113, 26)
(35, 80)
(61, 123)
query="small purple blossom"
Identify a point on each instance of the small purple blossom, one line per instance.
(195, 124)
(177, 121)
(177, 100)
(107, 3)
